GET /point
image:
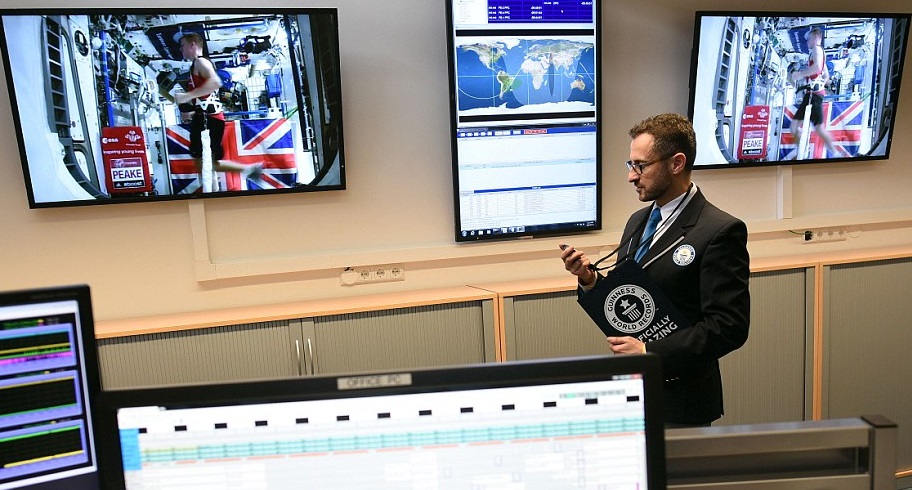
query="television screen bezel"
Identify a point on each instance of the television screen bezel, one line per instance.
(543, 230)
(699, 15)
(336, 167)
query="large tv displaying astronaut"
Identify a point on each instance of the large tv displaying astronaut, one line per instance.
(785, 88)
(126, 106)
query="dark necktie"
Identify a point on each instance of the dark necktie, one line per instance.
(646, 239)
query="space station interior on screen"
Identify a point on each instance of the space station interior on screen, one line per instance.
(108, 125)
(752, 75)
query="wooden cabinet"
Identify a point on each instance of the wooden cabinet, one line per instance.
(865, 356)
(765, 380)
(232, 352)
(413, 337)
(542, 319)
(829, 338)
(424, 329)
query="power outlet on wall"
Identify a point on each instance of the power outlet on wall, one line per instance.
(825, 235)
(352, 276)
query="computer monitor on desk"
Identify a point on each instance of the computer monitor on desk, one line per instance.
(561, 423)
(48, 378)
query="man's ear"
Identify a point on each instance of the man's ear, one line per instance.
(679, 161)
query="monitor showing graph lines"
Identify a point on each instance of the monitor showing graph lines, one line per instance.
(48, 376)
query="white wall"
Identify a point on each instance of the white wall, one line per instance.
(156, 258)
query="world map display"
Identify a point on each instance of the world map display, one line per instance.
(513, 73)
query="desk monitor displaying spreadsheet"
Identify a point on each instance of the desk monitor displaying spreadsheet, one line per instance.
(48, 379)
(592, 422)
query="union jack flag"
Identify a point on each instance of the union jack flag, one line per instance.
(845, 121)
(185, 179)
(267, 142)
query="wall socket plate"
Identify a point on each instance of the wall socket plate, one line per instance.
(372, 273)
(825, 235)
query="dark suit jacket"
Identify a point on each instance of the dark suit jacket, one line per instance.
(711, 291)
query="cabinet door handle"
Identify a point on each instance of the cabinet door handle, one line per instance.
(300, 361)
(310, 354)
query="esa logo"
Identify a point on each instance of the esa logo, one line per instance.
(132, 137)
(629, 308)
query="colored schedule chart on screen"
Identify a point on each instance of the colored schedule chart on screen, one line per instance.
(558, 436)
(525, 117)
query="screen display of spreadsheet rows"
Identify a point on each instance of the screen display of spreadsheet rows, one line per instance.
(579, 435)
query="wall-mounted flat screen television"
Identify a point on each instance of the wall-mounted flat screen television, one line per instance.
(525, 118)
(127, 105)
(779, 88)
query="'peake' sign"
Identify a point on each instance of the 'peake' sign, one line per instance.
(123, 150)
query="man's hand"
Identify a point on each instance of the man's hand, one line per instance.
(577, 263)
(626, 345)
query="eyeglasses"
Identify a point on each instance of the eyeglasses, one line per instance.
(639, 166)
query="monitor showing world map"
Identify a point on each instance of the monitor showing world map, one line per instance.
(525, 117)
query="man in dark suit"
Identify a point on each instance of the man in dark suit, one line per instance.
(697, 256)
